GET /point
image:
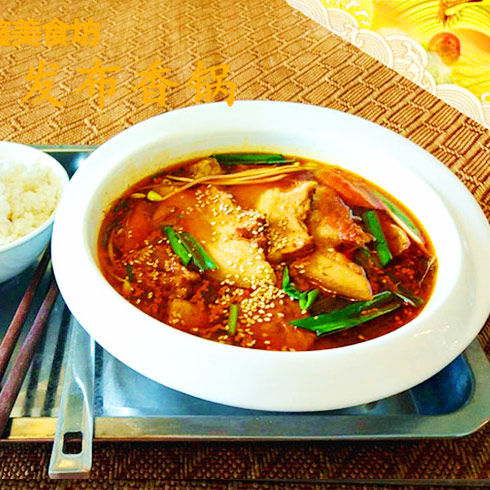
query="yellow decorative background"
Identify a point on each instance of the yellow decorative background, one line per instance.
(438, 26)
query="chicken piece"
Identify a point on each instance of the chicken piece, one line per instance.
(264, 321)
(185, 315)
(398, 240)
(278, 333)
(240, 263)
(159, 268)
(237, 241)
(334, 272)
(331, 223)
(286, 211)
(297, 338)
(204, 167)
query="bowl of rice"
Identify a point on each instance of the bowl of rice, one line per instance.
(31, 184)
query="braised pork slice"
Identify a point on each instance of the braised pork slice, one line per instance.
(334, 272)
(286, 211)
(330, 221)
(237, 242)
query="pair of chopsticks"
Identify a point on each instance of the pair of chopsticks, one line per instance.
(13, 382)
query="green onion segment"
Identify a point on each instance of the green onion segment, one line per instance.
(307, 298)
(251, 159)
(177, 245)
(351, 315)
(339, 325)
(288, 287)
(188, 248)
(232, 318)
(373, 225)
(199, 256)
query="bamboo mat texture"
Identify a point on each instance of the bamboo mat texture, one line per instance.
(274, 52)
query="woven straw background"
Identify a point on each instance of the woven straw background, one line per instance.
(274, 53)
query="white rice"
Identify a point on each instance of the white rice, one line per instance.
(28, 196)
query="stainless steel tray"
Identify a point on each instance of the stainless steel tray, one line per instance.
(128, 406)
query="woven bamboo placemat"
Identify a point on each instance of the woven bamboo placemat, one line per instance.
(274, 52)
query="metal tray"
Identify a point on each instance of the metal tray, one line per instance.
(128, 406)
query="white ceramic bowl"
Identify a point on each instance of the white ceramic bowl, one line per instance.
(16, 256)
(285, 381)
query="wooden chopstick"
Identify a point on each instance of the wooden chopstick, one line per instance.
(14, 381)
(8, 343)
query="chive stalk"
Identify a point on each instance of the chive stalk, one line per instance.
(373, 225)
(288, 287)
(199, 256)
(177, 245)
(307, 298)
(346, 323)
(342, 314)
(232, 318)
(188, 248)
(251, 159)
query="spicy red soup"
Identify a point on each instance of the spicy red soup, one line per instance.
(267, 252)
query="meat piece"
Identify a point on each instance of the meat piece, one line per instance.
(239, 256)
(229, 219)
(286, 211)
(297, 338)
(331, 223)
(332, 271)
(279, 333)
(240, 263)
(186, 315)
(264, 321)
(204, 167)
(173, 273)
(159, 268)
(398, 240)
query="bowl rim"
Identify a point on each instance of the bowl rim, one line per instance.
(58, 170)
(203, 343)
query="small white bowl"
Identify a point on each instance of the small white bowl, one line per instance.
(258, 379)
(16, 256)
